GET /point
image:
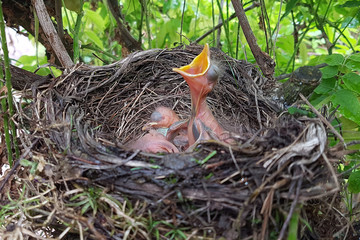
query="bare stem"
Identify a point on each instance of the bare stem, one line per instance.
(76, 33)
(7, 107)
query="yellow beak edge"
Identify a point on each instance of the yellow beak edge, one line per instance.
(199, 66)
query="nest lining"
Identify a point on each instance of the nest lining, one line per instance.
(119, 98)
(81, 119)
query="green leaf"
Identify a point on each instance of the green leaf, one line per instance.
(334, 59)
(289, 6)
(94, 38)
(95, 19)
(355, 57)
(26, 163)
(317, 60)
(85, 208)
(329, 71)
(317, 100)
(352, 81)
(130, 6)
(349, 104)
(347, 124)
(350, 4)
(73, 5)
(301, 112)
(326, 85)
(303, 52)
(354, 182)
(351, 135)
(171, 4)
(353, 65)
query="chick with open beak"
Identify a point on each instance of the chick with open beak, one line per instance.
(201, 76)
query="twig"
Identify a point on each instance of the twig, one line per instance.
(233, 16)
(218, 36)
(323, 119)
(58, 17)
(258, 116)
(331, 169)
(51, 34)
(277, 29)
(353, 143)
(292, 209)
(76, 32)
(182, 20)
(16, 165)
(264, 61)
(127, 40)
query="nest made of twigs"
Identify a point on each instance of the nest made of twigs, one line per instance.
(119, 98)
(78, 123)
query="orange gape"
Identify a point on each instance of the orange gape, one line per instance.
(201, 76)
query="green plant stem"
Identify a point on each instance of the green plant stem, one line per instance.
(182, 20)
(196, 16)
(297, 46)
(76, 33)
(67, 17)
(6, 121)
(213, 18)
(294, 223)
(342, 32)
(226, 27)
(97, 49)
(36, 38)
(147, 24)
(8, 84)
(142, 3)
(266, 25)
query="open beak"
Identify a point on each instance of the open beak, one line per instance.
(196, 76)
(198, 67)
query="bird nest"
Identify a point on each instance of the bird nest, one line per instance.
(87, 184)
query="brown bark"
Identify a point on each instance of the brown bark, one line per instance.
(20, 13)
(126, 39)
(51, 34)
(22, 79)
(264, 61)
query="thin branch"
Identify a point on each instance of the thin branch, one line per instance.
(218, 36)
(182, 20)
(22, 79)
(294, 204)
(76, 44)
(264, 61)
(232, 16)
(59, 23)
(277, 29)
(127, 40)
(51, 34)
(324, 120)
